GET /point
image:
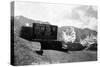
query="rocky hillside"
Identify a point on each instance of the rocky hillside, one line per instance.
(74, 35)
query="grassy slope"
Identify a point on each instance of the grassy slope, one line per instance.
(74, 56)
(25, 53)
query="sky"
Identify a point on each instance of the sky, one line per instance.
(81, 16)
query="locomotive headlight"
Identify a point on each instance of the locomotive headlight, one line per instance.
(27, 24)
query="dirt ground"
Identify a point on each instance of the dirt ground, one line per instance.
(71, 56)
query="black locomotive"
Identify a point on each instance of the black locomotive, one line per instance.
(45, 34)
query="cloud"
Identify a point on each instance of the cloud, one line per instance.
(86, 16)
(59, 14)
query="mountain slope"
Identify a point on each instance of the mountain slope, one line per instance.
(79, 35)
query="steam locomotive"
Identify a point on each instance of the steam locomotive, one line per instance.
(46, 34)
